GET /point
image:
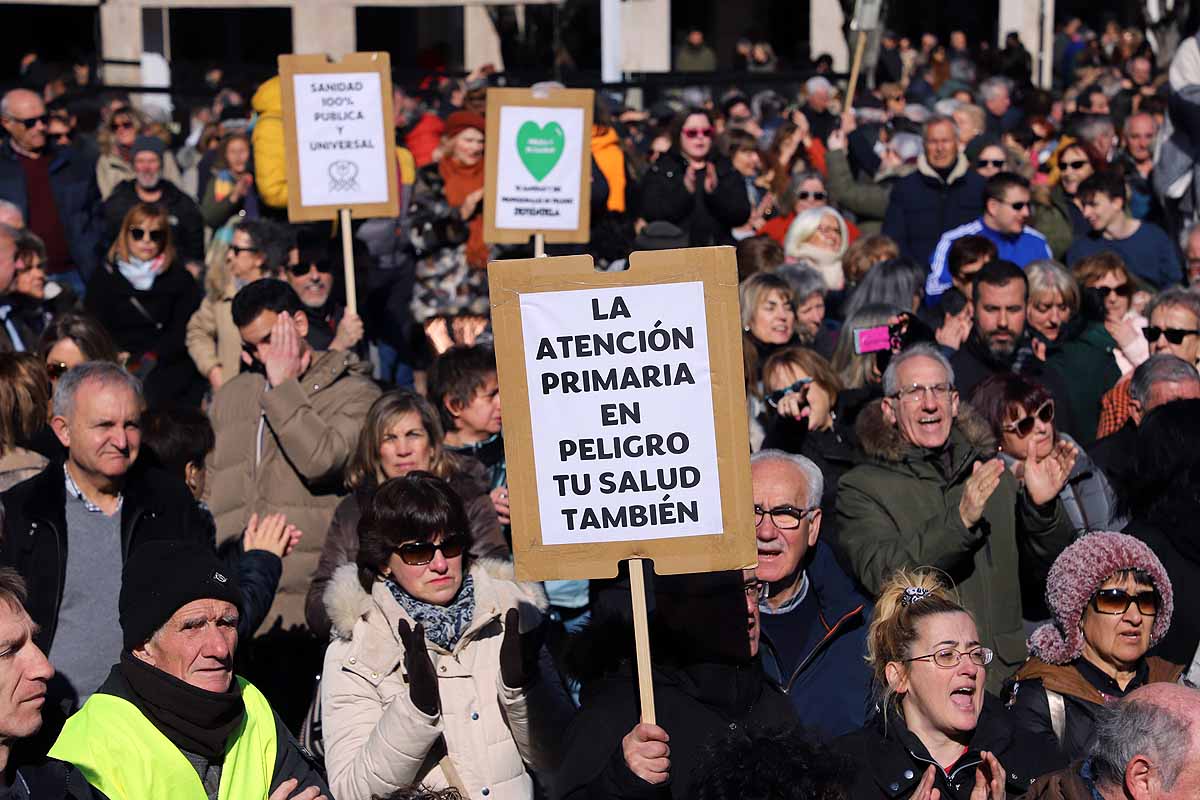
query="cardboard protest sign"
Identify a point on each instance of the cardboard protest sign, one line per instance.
(624, 413)
(340, 136)
(538, 165)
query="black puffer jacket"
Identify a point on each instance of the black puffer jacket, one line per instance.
(892, 760)
(707, 217)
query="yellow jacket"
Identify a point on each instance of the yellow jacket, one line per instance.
(270, 161)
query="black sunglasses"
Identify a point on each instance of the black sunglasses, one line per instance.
(1124, 290)
(1019, 205)
(1117, 601)
(300, 270)
(157, 236)
(31, 122)
(417, 554)
(1174, 335)
(811, 195)
(1080, 164)
(237, 251)
(984, 163)
(56, 370)
(1024, 426)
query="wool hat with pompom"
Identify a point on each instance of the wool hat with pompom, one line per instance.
(1077, 573)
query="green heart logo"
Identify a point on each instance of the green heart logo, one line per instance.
(540, 148)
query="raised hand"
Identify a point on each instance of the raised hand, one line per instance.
(284, 357)
(285, 789)
(272, 533)
(519, 651)
(925, 790)
(647, 753)
(1044, 479)
(422, 680)
(989, 779)
(349, 332)
(985, 477)
(499, 497)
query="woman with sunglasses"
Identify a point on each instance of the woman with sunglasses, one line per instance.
(1110, 280)
(1055, 212)
(693, 186)
(936, 732)
(402, 434)
(1020, 413)
(1112, 602)
(429, 678)
(819, 236)
(115, 164)
(145, 298)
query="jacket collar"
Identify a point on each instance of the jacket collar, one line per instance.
(883, 442)
(961, 167)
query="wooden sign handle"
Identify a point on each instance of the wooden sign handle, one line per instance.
(539, 245)
(859, 46)
(641, 637)
(348, 260)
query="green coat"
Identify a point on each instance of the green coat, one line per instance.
(1086, 363)
(900, 509)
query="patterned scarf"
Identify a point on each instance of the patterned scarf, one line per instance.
(444, 625)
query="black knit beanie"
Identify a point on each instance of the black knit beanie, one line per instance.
(162, 576)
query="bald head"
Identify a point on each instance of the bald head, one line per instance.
(23, 115)
(1148, 744)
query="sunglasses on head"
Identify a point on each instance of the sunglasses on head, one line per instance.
(1024, 426)
(811, 195)
(301, 269)
(31, 122)
(1117, 601)
(157, 236)
(984, 163)
(1124, 290)
(1080, 164)
(697, 133)
(416, 554)
(1174, 335)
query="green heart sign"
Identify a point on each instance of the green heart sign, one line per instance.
(540, 148)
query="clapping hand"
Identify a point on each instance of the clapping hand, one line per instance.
(985, 477)
(925, 790)
(422, 680)
(1045, 478)
(519, 651)
(989, 779)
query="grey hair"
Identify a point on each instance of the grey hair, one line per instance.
(1160, 368)
(1093, 126)
(992, 86)
(806, 281)
(1133, 727)
(1134, 115)
(938, 119)
(805, 225)
(1047, 275)
(1185, 298)
(890, 375)
(6, 205)
(813, 479)
(105, 373)
(947, 106)
(817, 84)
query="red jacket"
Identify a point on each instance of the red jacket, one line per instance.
(423, 138)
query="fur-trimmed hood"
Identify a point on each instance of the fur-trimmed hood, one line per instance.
(883, 442)
(347, 602)
(961, 167)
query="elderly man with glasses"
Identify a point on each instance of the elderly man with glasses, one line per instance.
(813, 619)
(933, 493)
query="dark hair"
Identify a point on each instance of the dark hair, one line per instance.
(265, 294)
(1165, 487)
(1084, 99)
(91, 337)
(999, 184)
(779, 764)
(24, 398)
(967, 250)
(13, 591)
(313, 246)
(259, 232)
(677, 123)
(998, 394)
(737, 140)
(953, 302)
(758, 254)
(1108, 182)
(456, 375)
(417, 507)
(178, 436)
(279, 240)
(997, 273)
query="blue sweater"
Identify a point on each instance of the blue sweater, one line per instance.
(1026, 246)
(1149, 253)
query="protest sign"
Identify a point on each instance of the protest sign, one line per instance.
(339, 139)
(538, 165)
(624, 413)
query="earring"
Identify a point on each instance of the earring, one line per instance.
(746, 329)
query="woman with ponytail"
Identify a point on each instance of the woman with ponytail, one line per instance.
(936, 734)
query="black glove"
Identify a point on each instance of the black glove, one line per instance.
(519, 651)
(422, 680)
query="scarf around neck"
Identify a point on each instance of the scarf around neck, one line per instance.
(138, 272)
(444, 625)
(194, 720)
(462, 179)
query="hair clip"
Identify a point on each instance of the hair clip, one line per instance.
(914, 593)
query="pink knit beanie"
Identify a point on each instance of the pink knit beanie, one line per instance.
(1076, 575)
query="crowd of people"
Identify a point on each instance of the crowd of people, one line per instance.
(256, 544)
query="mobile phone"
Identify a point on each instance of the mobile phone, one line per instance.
(872, 340)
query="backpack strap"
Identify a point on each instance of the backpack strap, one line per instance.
(1058, 714)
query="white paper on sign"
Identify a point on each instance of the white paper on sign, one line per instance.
(343, 151)
(620, 400)
(537, 174)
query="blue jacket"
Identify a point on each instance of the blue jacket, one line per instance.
(1026, 246)
(73, 181)
(922, 206)
(831, 686)
(1149, 253)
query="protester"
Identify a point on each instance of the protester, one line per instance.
(35, 301)
(1053, 298)
(231, 191)
(171, 717)
(936, 731)
(869, 250)
(818, 237)
(415, 597)
(812, 328)
(116, 162)
(73, 338)
(331, 326)
(13, 333)
(895, 282)
(24, 404)
(966, 256)
(962, 510)
(1112, 602)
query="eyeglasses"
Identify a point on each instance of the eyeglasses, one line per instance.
(56, 369)
(1019, 205)
(1073, 165)
(697, 133)
(237, 250)
(984, 163)
(300, 270)
(31, 122)
(1024, 426)
(1174, 335)
(951, 658)
(121, 125)
(1124, 290)
(774, 397)
(416, 554)
(158, 236)
(811, 195)
(916, 392)
(1117, 601)
(786, 518)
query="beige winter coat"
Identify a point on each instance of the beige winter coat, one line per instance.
(212, 338)
(306, 429)
(377, 741)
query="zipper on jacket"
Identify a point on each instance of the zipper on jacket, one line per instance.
(826, 638)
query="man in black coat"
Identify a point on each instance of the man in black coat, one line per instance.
(708, 681)
(943, 193)
(69, 529)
